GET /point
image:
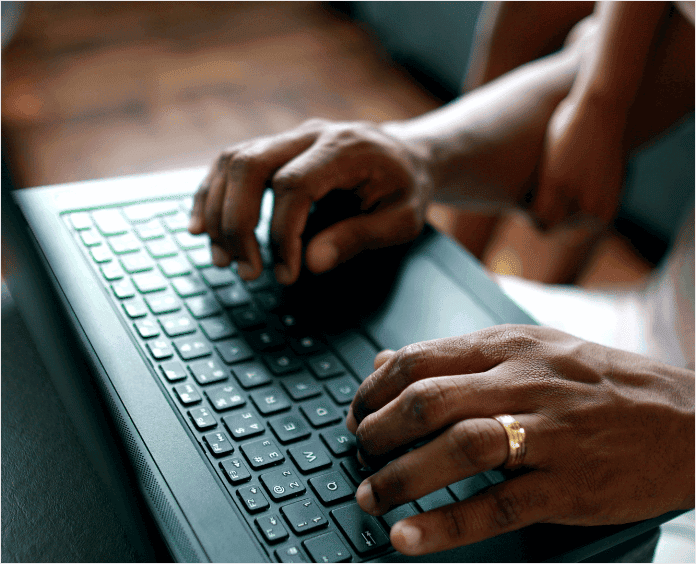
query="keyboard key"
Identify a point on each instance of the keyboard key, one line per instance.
(218, 444)
(362, 530)
(332, 488)
(267, 301)
(224, 397)
(326, 548)
(251, 375)
(192, 347)
(326, 366)
(150, 230)
(235, 470)
(304, 516)
(177, 324)
(283, 362)
(292, 554)
(468, 487)
(434, 500)
(187, 394)
(110, 222)
(208, 371)
(137, 262)
(342, 389)
(306, 345)
(339, 441)
(270, 400)
(397, 514)
(253, 499)
(201, 258)
(266, 340)
(174, 266)
(216, 328)
(90, 238)
(289, 428)
(320, 412)
(177, 222)
(112, 271)
(233, 296)
(236, 350)
(358, 353)
(137, 213)
(247, 318)
(123, 289)
(147, 328)
(122, 244)
(282, 484)
(216, 277)
(243, 424)
(202, 418)
(100, 254)
(203, 306)
(187, 286)
(163, 302)
(134, 308)
(262, 453)
(310, 457)
(189, 242)
(264, 282)
(271, 528)
(301, 386)
(80, 221)
(173, 371)
(160, 349)
(147, 282)
(356, 472)
(161, 248)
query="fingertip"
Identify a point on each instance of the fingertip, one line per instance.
(284, 275)
(382, 357)
(406, 538)
(196, 226)
(246, 271)
(321, 257)
(366, 498)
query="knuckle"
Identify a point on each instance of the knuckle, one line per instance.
(243, 162)
(507, 508)
(473, 443)
(366, 435)
(410, 362)
(389, 484)
(455, 522)
(315, 124)
(424, 402)
(288, 180)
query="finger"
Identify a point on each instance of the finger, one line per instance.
(392, 225)
(307, 178)
(476, 352)
(507, 506)
(382, 357)
(431, 404)
(248, 170)
(197, 221)
(467, 448)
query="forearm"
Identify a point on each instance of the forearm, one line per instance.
(483, 147)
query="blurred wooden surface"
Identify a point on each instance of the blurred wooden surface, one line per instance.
(98, 89)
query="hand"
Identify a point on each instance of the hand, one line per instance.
(610, 434)
(302, 166)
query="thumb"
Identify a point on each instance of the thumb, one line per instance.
(375, 230)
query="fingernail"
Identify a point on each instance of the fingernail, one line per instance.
(351, 422)
(245, 270)
(324, 257)
(220, 256)
(406, 538)
(366, 498)
(283, 274)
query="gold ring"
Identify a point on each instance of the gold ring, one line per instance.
(517, 441)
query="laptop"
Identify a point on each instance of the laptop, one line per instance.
(221, 403)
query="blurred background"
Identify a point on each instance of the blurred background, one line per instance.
(99, 89)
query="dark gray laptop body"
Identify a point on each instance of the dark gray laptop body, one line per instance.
(428, 289)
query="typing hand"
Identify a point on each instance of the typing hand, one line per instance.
(609, 434)
(302, 166)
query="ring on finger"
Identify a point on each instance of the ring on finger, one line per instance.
(517, 441)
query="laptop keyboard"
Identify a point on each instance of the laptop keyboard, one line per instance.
(263, 394)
